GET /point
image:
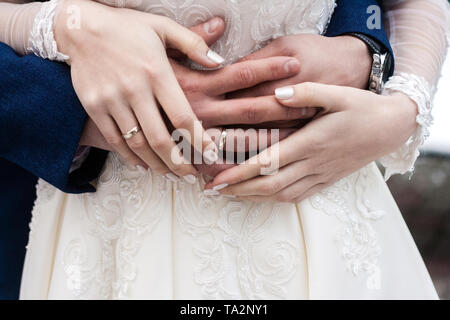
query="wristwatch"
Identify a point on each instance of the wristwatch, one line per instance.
(381, 65)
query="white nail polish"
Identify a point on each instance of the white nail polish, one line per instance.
(141, 169)
(220, 186)
(172, 177)
(190, 178)
(215, 57)
(210, 156)
(284, 93)
(211, 193)
(230, 196)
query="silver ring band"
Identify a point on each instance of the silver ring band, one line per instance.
(131, 133)
(223, 139)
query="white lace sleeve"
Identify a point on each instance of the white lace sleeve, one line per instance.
(42, 41)
(28, 28)
(418, 31)
(16, 21)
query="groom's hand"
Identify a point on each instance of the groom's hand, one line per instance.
(343, 61)
(206, 90)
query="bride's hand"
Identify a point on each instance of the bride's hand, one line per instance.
(121, 72)
(354, 128)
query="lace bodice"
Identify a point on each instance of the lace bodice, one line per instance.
(250, 23)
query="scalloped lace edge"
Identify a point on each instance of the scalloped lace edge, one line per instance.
(420, 91)
(42, 41)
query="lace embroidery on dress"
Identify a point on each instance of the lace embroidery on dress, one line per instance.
(44, 193)
(233, 237)
(291, 17)
(119, 215)
(80, 276)
(356, 239)
(418, 89)
(266, 19)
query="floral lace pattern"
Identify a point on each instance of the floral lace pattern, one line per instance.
(227, 236)
(44, 193)
(122, 211)
(42, 41)
(356, 238)
(418, 89)
(249, 24)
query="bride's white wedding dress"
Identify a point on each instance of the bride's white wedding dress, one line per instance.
(140, 236)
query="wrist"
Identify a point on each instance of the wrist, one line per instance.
(357, 60)
(61, 31)
(408, 108)
(75, 25)
(403, 111)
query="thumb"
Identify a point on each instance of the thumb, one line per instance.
(188, 42)
(308, 94)
(210, 31)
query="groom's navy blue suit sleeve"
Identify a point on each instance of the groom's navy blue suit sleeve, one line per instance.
(41, 120)
(352, 16)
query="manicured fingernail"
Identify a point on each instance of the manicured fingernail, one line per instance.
(210, 156)
(211, 26)
(230, 196)
(211, 193)
(172, 177)
(141, 169)
(220, 186)
(215, 57)
(292, 66)
(190, 178)
(284, 93)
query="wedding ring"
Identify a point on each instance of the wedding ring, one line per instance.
(223, 139)
(130, 134)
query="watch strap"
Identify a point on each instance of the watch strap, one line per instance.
(382, 62)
